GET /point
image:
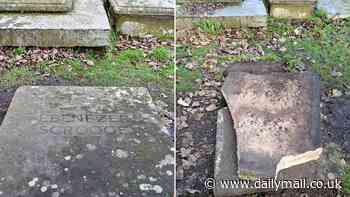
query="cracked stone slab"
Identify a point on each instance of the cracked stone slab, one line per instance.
(36, 5)
(295, 9)
(335, 8)
(86, 25)
(84, 141)
(274, 115)
(250, 13)
(226, 161)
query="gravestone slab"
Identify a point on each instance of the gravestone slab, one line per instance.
(86, 25)
(274, 115)
(292, 9)
(144, 17)
(335, 8)
(84, 141)
(36, 5)
(250, 13)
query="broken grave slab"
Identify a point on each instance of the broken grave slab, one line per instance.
(292, 9)
(86, 25)
(36, 5)
(335, 8)
(274, 115)
(250, 13)
(84, 141)
(299, 166)
(226, 163)
(144, 17)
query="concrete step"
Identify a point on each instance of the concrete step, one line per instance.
(294, 9)
(36, 5)
(250, 13)
(145, 17)
(85, 26)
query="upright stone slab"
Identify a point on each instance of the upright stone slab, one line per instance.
(84, 141)
(292, 9)
(335, 8)
(274, 115)
(86, 25)
(36, 5)
(249, 13)
(144, 17)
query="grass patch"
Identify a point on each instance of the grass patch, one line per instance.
(187, 79)
(346, 181)
(210, 26)
(325, 49)
(126, 68)
(161, 54)
(17, 76)
(19, 51)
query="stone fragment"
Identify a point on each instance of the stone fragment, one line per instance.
(292, 9)
(116, 130)
(144, 17)
(86, 25)
(36, 5)
(226, 158)
(335, 8)
(274, 115)
(304, 165)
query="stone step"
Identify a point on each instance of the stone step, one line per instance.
(36, 5)
(86, 25)
(335, 8)
(292, 9)
(144, 17)
(250, 13)
(83, 141)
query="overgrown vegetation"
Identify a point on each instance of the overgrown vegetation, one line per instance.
(324, 49)
(346, 182)
(317, 44)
